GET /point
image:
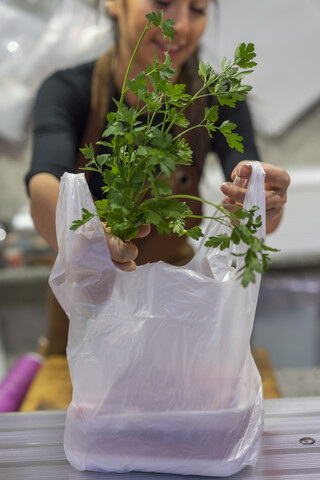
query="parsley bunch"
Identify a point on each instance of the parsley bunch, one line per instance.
(144, 153)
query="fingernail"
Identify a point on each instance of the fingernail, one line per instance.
(243, 171)
(240, 181)
(225, 188)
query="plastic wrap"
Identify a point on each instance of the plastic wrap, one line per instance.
(37, 38)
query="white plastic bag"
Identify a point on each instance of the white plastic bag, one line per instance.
(162, 372)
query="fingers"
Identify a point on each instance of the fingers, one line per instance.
(275, 198)
(234, 194)
(125, 267)
(276, 177)
(273, 217)
(144, 230)
(122, 253)
(228, 205)
(277, 182)
(243, 170)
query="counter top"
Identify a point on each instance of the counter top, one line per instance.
(31, 446)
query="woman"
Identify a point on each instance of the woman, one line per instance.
(65, 120)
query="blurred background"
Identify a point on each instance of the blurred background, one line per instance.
(38, 37)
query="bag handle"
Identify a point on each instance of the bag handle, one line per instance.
(83, 254)
(73, 197)
(217, 263)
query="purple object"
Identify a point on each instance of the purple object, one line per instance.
(17, 381)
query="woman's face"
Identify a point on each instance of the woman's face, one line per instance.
(190, 22)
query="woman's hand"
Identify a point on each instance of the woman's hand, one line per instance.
(277, 182)
(123, 254)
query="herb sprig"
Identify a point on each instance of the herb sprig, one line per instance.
(145, 153)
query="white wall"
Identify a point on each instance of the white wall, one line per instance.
(286, 35)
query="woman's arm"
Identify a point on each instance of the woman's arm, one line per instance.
(44, 193)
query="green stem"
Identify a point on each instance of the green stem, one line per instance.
(141, 111)
(151, 121)
(217, 219)
(188, 130)
(143, 191)
(202, 200)
(124, 90)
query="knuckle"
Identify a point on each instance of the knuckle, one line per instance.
(126, 252)
(288, 179)
(285, 198)
(125, 267)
